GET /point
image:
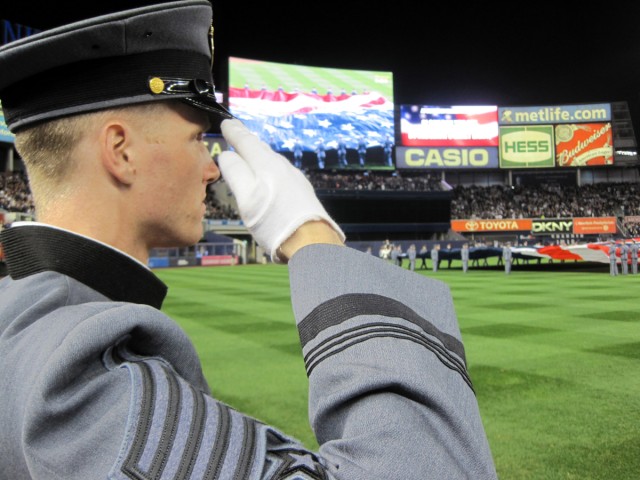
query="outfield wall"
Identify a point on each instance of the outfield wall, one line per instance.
(204, 254)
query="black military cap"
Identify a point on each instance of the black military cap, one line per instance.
(152, 53)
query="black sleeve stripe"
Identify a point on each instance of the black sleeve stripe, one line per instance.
(131, 465)
(147, 406)
(444, 359)
(344, 336)
(196, 432)
(340, 309)
(176, 431)
(169, 428)
(221, 443)
(248, 450)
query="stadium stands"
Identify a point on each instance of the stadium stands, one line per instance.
(15, 195)
(471, 201)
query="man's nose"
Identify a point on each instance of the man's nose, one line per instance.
(212, 172)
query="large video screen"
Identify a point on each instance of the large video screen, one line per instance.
(449, 126)
(5, 134)
(318, 117)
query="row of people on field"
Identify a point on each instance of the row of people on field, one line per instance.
(624, 253)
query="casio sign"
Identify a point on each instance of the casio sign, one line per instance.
(446, 157)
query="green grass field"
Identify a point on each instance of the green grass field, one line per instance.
(554, 355)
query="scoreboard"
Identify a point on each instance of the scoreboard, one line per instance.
(515, 137)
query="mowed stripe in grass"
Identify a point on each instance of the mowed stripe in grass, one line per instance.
(241, 322)
(554, 357)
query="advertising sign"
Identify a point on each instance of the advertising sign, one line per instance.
(527, 147)
(158, 262)
(216, 144)
(214, 260)
(11, 31)
(5, 135)
(539, 226)
(549, 226)
(446, 157)
(183, 262)
(584, 144)
(491, 225)
(599, 112)
(449, 126)
(594, 225)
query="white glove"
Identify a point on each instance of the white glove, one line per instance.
(274, 197)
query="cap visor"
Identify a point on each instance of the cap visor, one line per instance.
(217, 112)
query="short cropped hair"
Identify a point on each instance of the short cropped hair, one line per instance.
(46, 148)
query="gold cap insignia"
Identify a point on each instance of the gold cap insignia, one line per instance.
(156, 85)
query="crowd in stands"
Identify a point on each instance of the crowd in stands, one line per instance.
(633, 229)
(469, 202)
(217, 210)
(15, 195)
(374, 181)
(548, 201)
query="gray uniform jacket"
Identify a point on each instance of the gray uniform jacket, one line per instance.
(97, 383)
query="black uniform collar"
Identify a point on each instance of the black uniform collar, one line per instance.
(31, 249)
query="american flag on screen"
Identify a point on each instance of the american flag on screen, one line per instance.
(449, 126)
(281, 118)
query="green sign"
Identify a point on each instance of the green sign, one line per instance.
(527, 147)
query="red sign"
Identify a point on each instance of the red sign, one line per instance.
(594, 225)
(584, 144)
(215, 260)
(493, 225)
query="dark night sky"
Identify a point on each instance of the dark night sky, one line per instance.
(498, 53)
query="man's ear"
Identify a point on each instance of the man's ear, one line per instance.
(117, 153)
